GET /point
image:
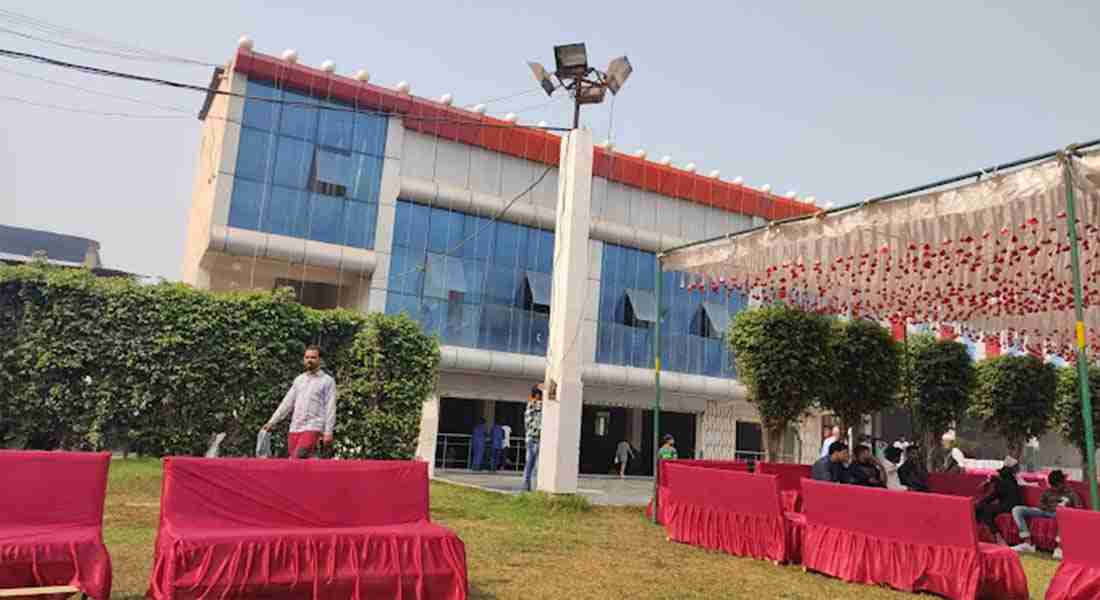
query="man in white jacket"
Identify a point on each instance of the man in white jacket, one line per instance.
(313, 398)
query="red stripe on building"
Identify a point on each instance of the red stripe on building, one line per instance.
(432, 118)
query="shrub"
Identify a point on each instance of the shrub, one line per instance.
(95, 363)
(784, 358)
(866, 371)
(1014, 398)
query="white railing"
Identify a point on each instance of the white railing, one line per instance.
(455, 451)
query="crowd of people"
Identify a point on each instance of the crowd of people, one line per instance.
(902, 467)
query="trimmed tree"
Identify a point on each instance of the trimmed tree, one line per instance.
(937, 378)
(1068, 419)
(394, 365)
(1014, 398)
(867, 371)
(784, 358)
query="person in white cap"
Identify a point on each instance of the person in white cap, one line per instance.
(954, 460)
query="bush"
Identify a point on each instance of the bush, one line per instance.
(393, 367)
(1068, 418)
(1014, 398)
(937, 379)
(96, 363)
(866, 377)
(784, 358)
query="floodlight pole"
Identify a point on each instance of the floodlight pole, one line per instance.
(657, 395)
(1079, 309)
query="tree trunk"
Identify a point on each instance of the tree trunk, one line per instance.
(774, 443)
(928, 441)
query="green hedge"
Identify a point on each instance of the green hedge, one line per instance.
(94, 363)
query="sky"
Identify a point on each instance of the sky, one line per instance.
(840, 100)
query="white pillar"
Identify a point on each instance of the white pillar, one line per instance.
(429, 431)
(559, 450)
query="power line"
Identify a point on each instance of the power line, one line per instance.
(86, 42)
(467, 121)
(89, 112)
(95, 92)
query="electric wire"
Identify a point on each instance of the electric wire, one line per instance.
(95, 92)
(87, 111)
(92, 70)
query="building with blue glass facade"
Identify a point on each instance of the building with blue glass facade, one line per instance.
(345, 192)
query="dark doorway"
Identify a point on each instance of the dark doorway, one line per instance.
(749, 441)
(682, 428)
(602, 428)
(457, 415)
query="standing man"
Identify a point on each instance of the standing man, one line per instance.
(313, 398)
(532, 421)
(496, 436)
(833, 437)
(477, 445)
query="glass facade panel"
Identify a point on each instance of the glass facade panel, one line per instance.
(450, 273)
(301, 171)
(627, 285)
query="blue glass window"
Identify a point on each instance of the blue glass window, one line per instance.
(299, 116)
(258, 113)
(693, 323)
(469, 293)
(336, 126)
(255, 154)
(331, 172)
(287, 212)
(244, 207)
(293, 160)
(366, 177)
(370, 134)
(297, 174)
(327, 219)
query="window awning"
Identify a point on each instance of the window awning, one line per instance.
(444, 275)
(541, 286)
(644, 305)
(333, 167)
(719, 317)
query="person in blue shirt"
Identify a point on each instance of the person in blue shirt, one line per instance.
(477, 446)
(496, 435)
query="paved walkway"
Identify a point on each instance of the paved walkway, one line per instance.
(599, 489)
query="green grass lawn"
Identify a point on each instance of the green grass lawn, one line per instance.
(532, 547)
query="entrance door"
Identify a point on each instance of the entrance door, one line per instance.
(602, 428)
(682, 428)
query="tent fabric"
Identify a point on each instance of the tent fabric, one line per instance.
(734, 512)
(719, 317)
(991, 255)
(1078, 575)
(644, 304)
(52, 538)
(911, 542)
(319, 529)
(541, 287)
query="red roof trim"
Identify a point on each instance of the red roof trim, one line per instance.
(425, 116)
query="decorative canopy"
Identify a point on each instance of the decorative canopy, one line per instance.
(992, 256)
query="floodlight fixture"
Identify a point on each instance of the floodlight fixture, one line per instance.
(617, 73)
(571, 60)
(542, 77)
(586, 84)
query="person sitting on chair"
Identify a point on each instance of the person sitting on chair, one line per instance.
(912, 472)
(1058, 494)
(833, 467)
(866, 470)
(1004, 495)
